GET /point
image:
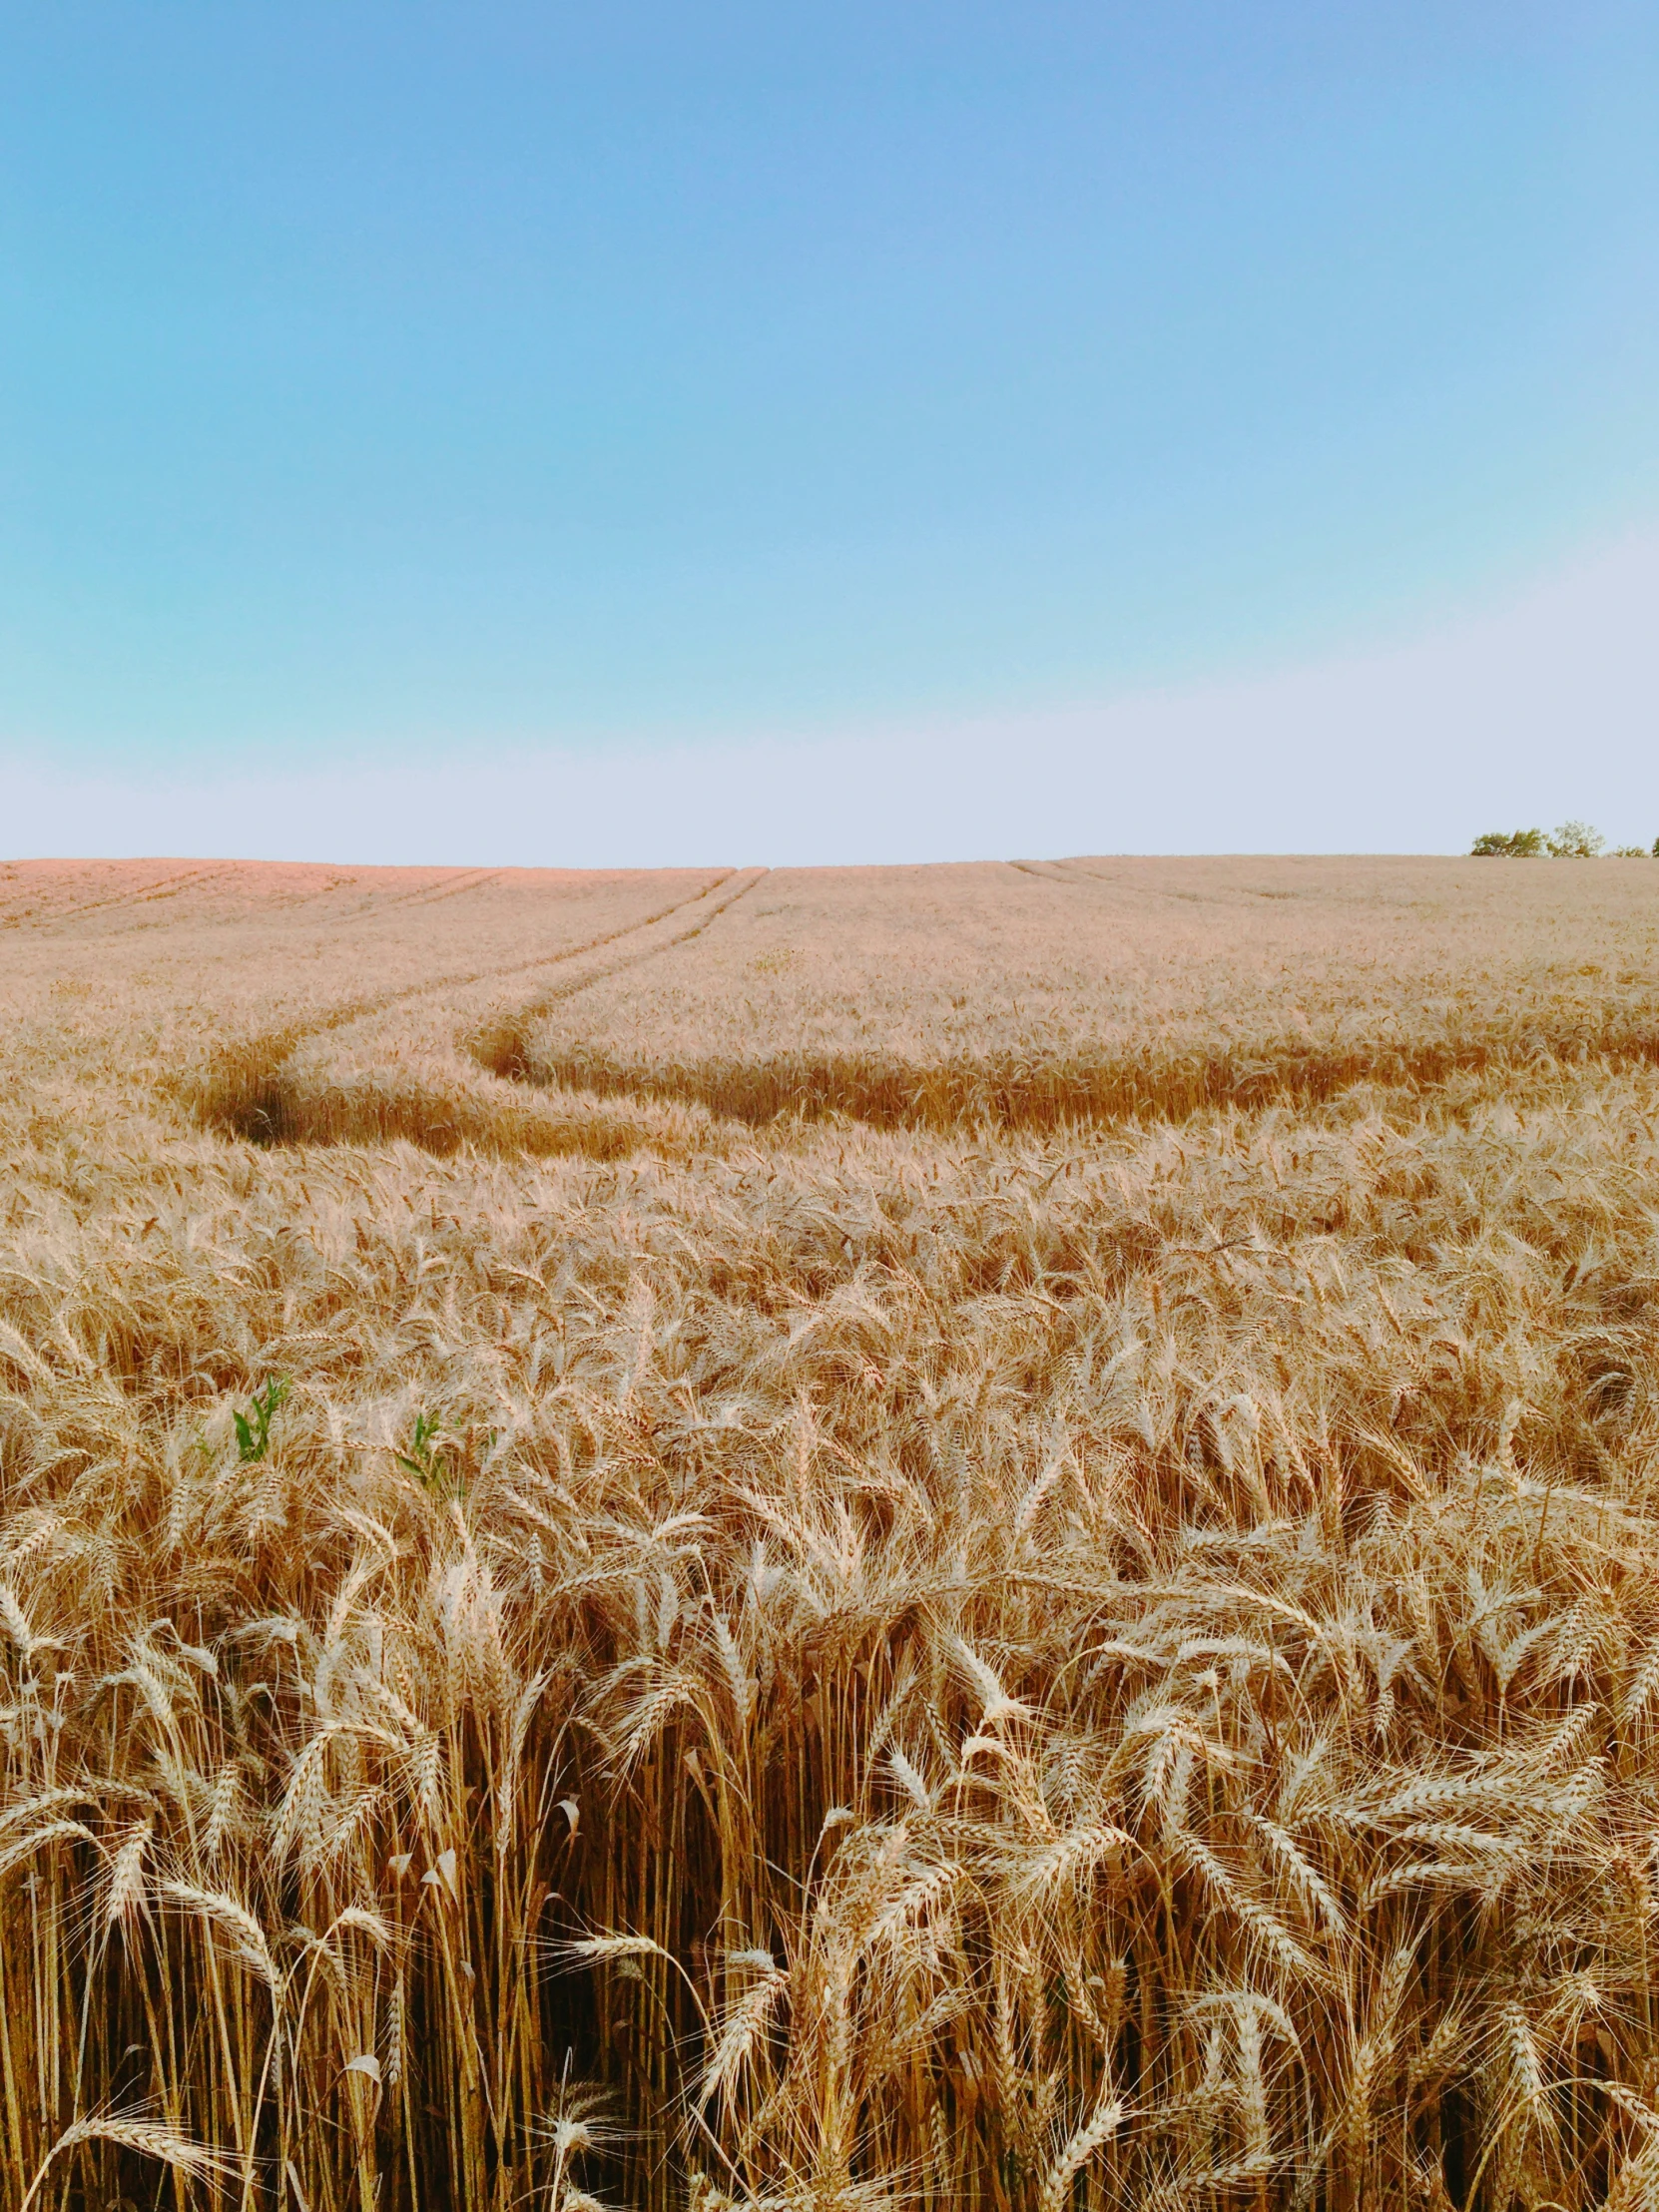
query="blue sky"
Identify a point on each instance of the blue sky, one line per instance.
(424, 390)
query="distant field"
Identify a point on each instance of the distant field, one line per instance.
(968, 1536)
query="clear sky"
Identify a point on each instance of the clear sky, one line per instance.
(597, 408)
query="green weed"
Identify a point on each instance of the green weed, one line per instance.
(254, 1434)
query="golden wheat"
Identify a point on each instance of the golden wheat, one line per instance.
(1054, 1629)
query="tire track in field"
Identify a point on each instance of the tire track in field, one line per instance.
(361, 1009)
(458, 982)
(166, 887)
(1084, 873)
(1038, 871)
(1077, 876)
(429, 894)
(503, 1050)
(234, 1094)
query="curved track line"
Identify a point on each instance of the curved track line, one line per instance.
(504, 1050)
(1038, 871)
(1087, 874)
(165, 886)
(545, 959)
(470, 879)
(361, 1009)
(428, 894)
(263, 1057)
(636, 960)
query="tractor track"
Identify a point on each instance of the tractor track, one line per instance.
(503, 1051)
(232, 1096)
(167, 886)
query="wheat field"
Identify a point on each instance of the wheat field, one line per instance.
(956, 1538)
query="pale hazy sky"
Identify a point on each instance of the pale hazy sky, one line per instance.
(536, 433)
(1545, 708)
